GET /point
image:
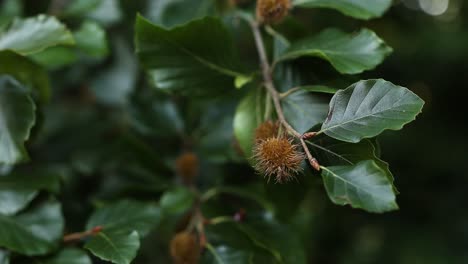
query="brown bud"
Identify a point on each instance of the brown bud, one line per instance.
(278, 157)
(184, 248)
(187, 166)
(266, 130)
(272, 11)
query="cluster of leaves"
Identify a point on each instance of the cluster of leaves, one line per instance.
(102, 136)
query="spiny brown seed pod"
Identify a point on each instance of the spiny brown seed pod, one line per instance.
(278, 157)
(184, 248)
(266, 130)
(272, 11)
(187, 166)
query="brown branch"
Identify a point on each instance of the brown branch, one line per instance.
(81, 235)
(269, 85)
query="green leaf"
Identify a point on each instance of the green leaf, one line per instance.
(156, 115)
(363, 9)
(332, 152)
(4, 257)
(265, 234)
(367, 108)
(304, 110)
(227, 255)
(34, 232)
(195, 59)
(363, 185)
(113, 85)
(80, 7)
(170, 13)
(17, 117)
(249, 115)
(27, 72)
(91, 39)
(68, 256)
(127, 216)
(177, 200)
(107, 12)
(233, 246)
(91, 45)
(242, 80)
(348, 53)
(17, 191)
(56, 57)
(115, 246)
(266, 231)
(31, 35)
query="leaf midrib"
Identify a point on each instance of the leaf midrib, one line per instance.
(350, 183)
(201, 60)
(366, 116)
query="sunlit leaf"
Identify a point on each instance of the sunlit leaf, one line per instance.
(17, 117)
(367, 108)
(31, 35)
(348, 53)
(35, 232)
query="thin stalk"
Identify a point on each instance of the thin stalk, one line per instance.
(269, 85)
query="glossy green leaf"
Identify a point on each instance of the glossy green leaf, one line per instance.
(17, 117)
(55, 57)
(363, 185)
(27, 72)
(367, 108)
(115, 246)
(304, 110)
(12, 202)
(348, 53)
(195, 59)
(16, 191)
(249, 115)
(332, 152)
(170, 13)
(91, 39)
(34, 232)
(68, 256)
(177, 200)
(363, 9)
(31, 35)
(126, 215)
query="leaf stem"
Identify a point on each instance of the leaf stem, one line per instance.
(269, 85)
(81, 235)
(289, 92)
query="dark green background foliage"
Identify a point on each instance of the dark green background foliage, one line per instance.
(109, 93)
